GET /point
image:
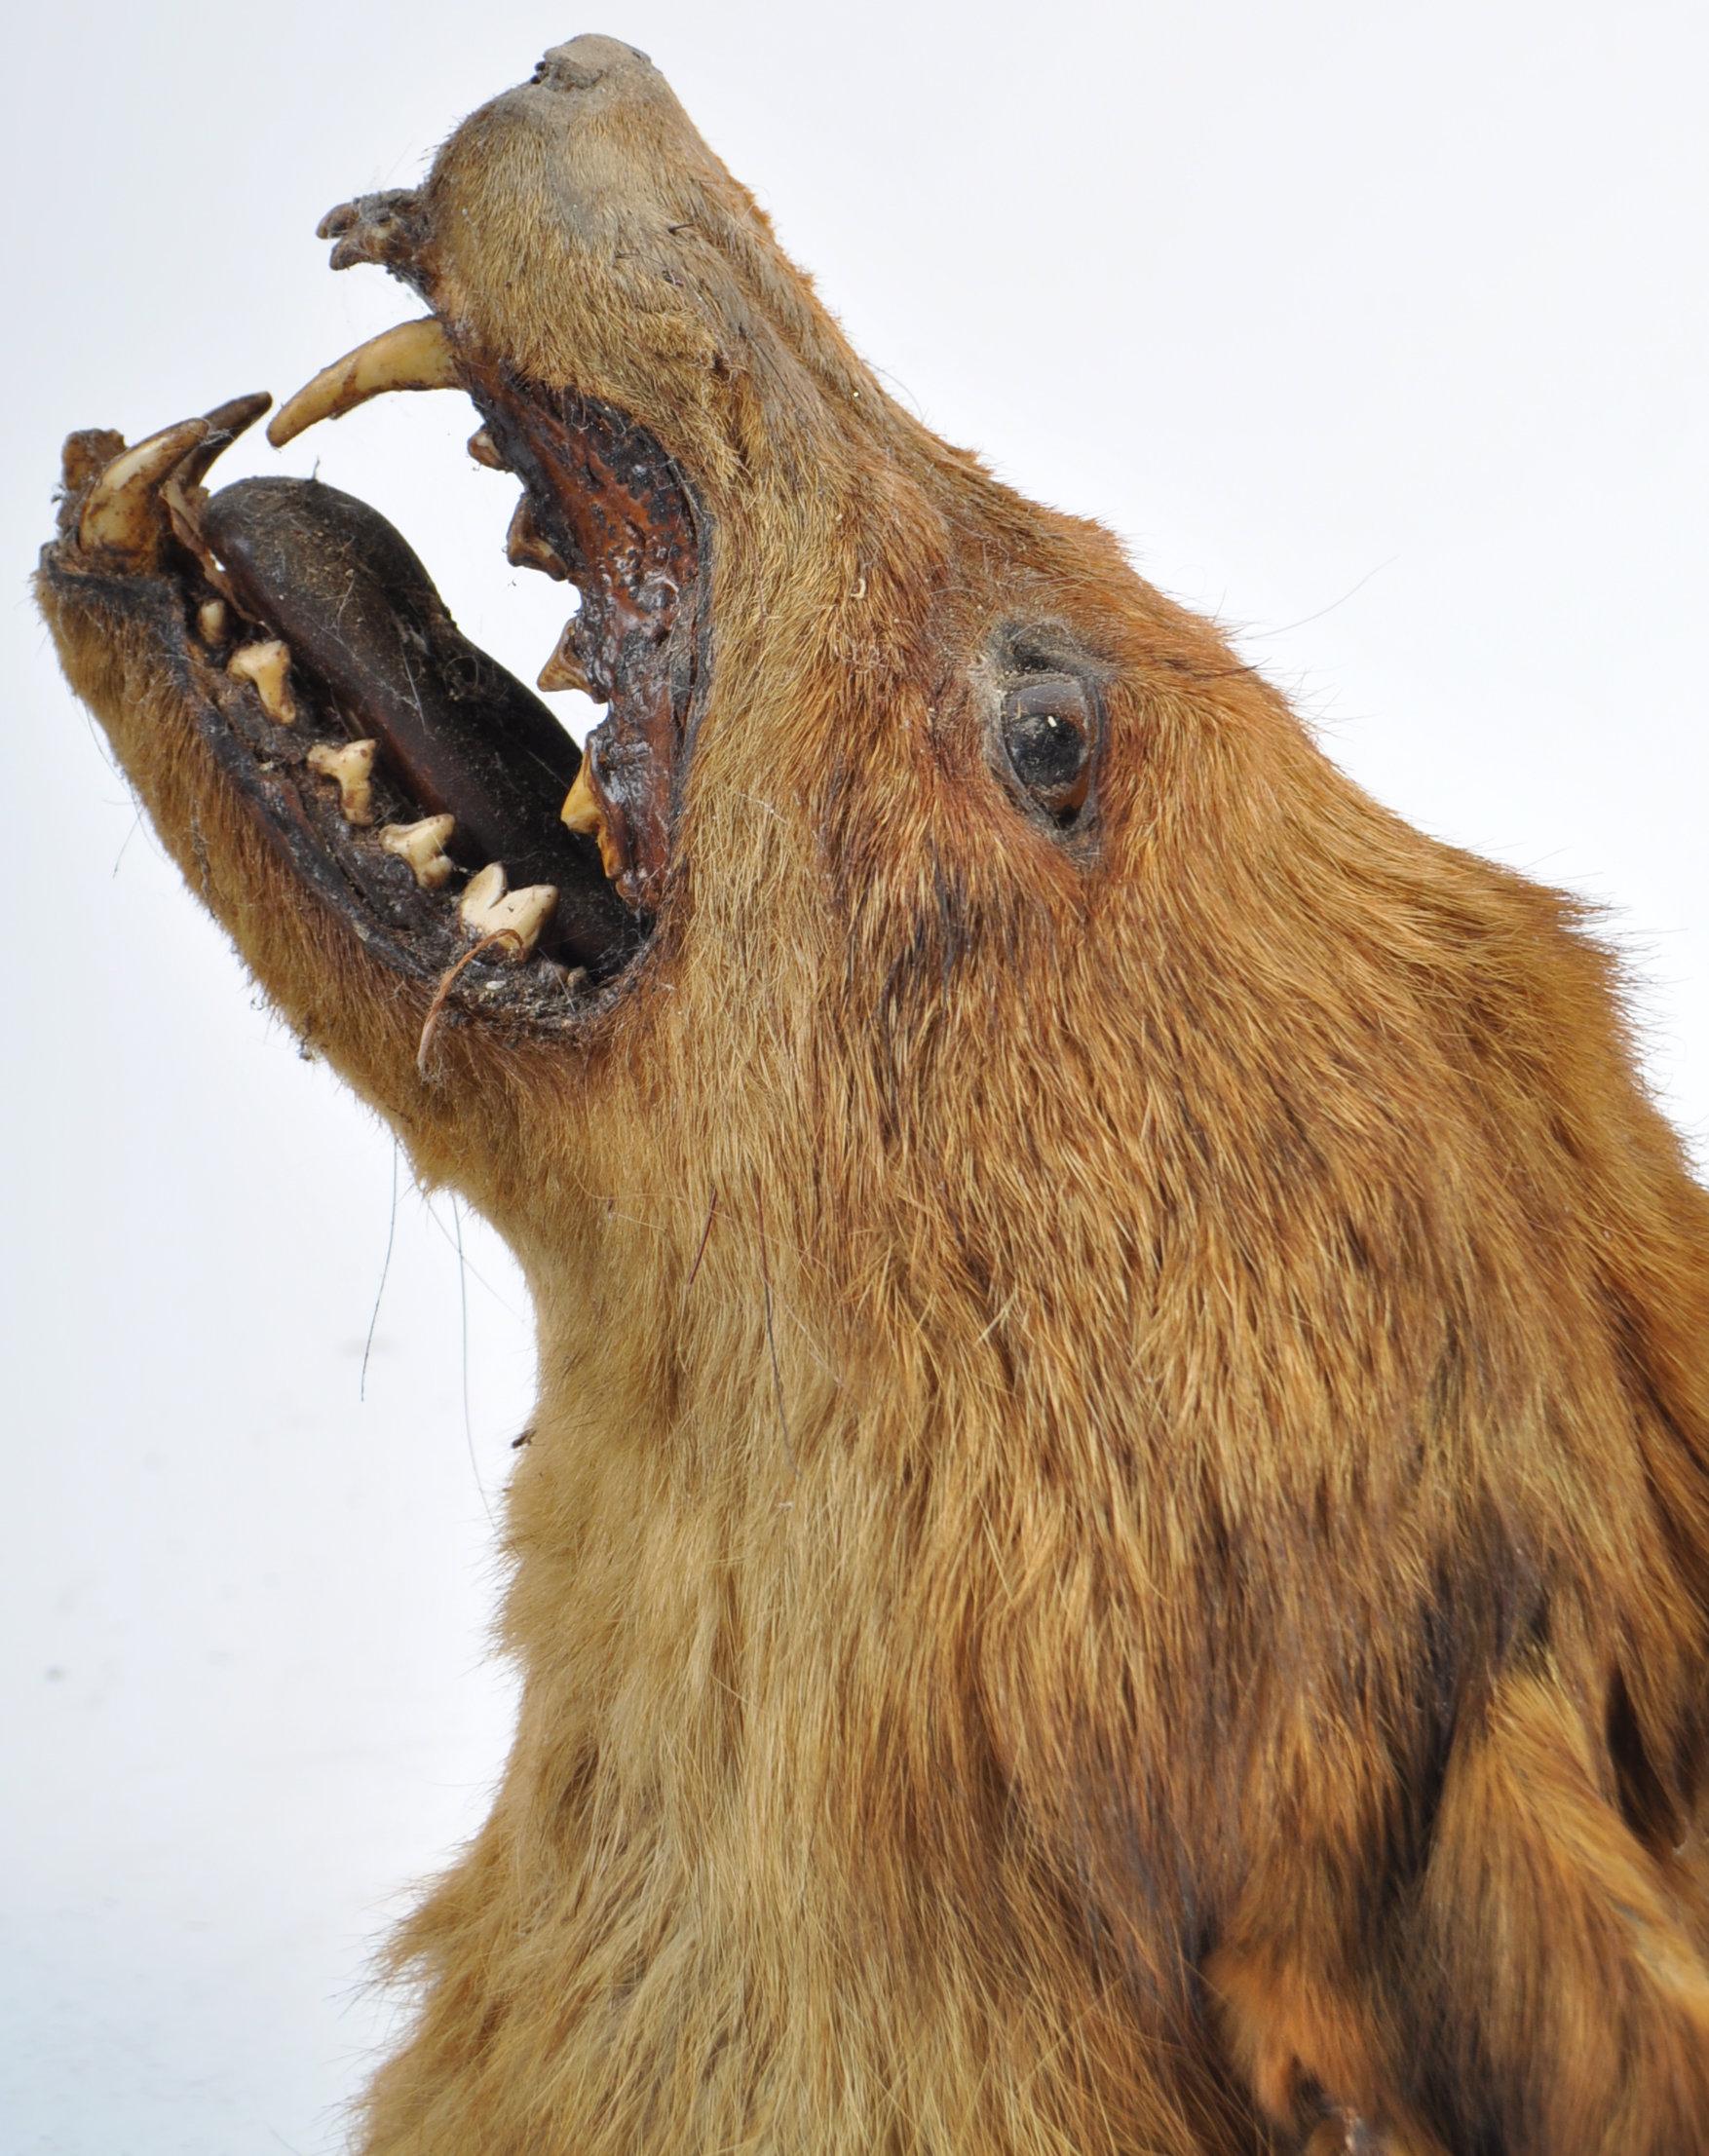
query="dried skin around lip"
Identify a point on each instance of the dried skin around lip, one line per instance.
(460, 735)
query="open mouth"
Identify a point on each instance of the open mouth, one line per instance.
(423, 792)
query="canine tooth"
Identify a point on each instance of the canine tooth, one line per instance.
(487, 909)
(584, 815)
(423, 846)
(484, 450)
(268, 666)
(225, 422)
(525, 549)
(563, 670)
(120, 515)
(210, 621)
(353, 765)
(414, 355)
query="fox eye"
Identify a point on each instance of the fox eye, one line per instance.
(1048, 733)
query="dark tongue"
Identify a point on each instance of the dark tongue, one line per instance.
(463, 737)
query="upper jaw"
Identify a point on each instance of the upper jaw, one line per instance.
(637, 350)
(605, 507)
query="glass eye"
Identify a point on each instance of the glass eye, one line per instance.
(1047, 734)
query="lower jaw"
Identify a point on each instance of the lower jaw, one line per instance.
(376, 657)
(312, 635)
(412, 783)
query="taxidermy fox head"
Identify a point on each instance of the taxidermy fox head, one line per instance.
(1115, 1553)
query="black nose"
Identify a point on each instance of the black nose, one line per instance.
(585, 61)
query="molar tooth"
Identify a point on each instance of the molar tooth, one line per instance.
(423, 846)
(353, 765)
(414, 355)
(581, 811)
(563, 670)
(120, 513)
(487, 909)
(210, 621)
(582, 815)
(484, 889)
(268, 666)
(525, 549)
(484, 450)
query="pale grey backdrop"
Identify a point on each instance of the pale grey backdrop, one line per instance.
(1380, 331)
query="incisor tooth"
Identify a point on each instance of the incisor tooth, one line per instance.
(210, 621)
(415, 356)
(487, 909)
(484, 450)
(268, 666)
(423, 846)
(353, 765)
(120, 515)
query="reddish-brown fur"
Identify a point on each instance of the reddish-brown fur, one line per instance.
(1146, 1584)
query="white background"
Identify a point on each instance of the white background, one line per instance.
(1378, 331)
